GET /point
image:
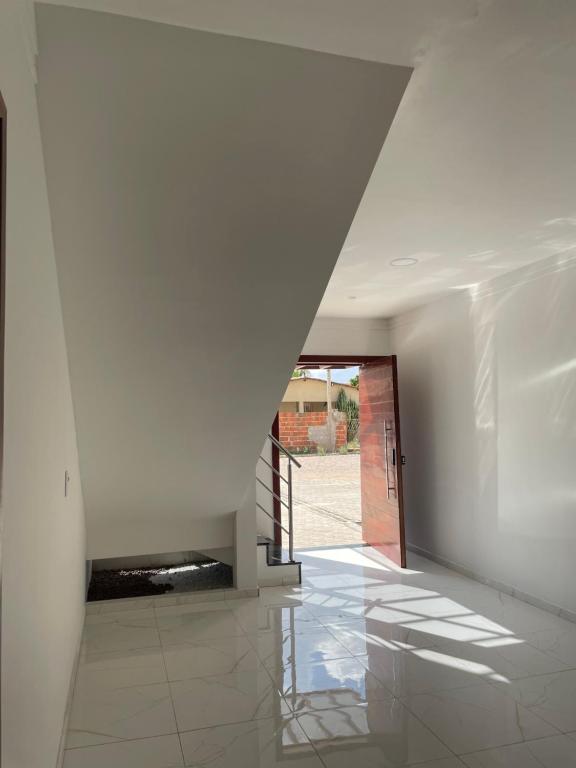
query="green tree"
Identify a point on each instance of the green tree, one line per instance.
(355, 381)
(299, 373)
(350, 408)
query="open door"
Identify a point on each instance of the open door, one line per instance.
(381, 459)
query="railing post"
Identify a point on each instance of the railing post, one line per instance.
(290, 517)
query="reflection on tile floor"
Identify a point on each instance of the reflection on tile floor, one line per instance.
(364, 665)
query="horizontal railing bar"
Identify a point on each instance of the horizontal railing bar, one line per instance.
(272, 518)
(276, 471)
(284, 450)
(278, 498)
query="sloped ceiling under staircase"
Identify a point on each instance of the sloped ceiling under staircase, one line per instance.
(201, 187)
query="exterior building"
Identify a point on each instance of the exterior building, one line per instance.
(308, 395)
(303, 422)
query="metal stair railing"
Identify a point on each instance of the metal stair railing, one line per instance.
(288, 505)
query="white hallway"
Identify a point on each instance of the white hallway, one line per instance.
(363, 665)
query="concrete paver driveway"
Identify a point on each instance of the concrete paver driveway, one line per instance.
(326, 500)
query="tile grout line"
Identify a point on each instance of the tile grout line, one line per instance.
(119, 741)
(427, 727)
(293, 714)
(485, 749)
(560, 734)
(169, 687)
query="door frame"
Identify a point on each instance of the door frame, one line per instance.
(339, 361)
(3, 143)
(316, 362)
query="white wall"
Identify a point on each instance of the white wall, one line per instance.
(344, 336)
(43, 537)
(488, 407)
(245, 564)
(194, 178)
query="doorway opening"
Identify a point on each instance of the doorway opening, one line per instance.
(340, 416)
(319, 423)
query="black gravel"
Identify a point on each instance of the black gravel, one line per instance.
(146, 582)
(108, 585)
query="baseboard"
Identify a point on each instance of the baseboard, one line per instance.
(537, 602)
(68, 708)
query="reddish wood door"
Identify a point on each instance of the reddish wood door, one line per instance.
(381, 460)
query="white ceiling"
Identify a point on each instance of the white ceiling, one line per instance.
(478, 174)
(390, 31)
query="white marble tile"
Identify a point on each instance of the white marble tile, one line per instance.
(483, 673)
(258, 744)
(361, 636)
(131, 604)
(336, 607)
(516, 615)
(552, 752)
(443, 581)
(190, 623)
(469, 591)
(510, 659)
(121, 669)
(120, 634)
(174, 610)
(169, 598)
(370, 736)
(447, 762)
(551, 697)
(204, 597)
(559, 642)
(287, 595)
(210, 657)
(435, 618)
(286, 648)
(256, 618)
(455, 665)
(223, 699)
(157, 752)
(357, 560)
(422, 670)
(241, 594)
(129, 616)
(340, 582)
(476, 717)
(469, 628)
(328, 684)
(103, 716)
(431, 606)
(382, 593)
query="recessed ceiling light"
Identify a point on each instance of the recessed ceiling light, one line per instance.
(352, 297)
(403, 262)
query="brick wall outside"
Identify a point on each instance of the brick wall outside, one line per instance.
(295, 429)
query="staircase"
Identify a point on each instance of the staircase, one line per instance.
(276, 566)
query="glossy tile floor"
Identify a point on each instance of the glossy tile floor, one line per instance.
(363, 666)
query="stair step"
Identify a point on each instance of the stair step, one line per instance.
(274, 566)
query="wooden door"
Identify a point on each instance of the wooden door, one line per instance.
(381, 460)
